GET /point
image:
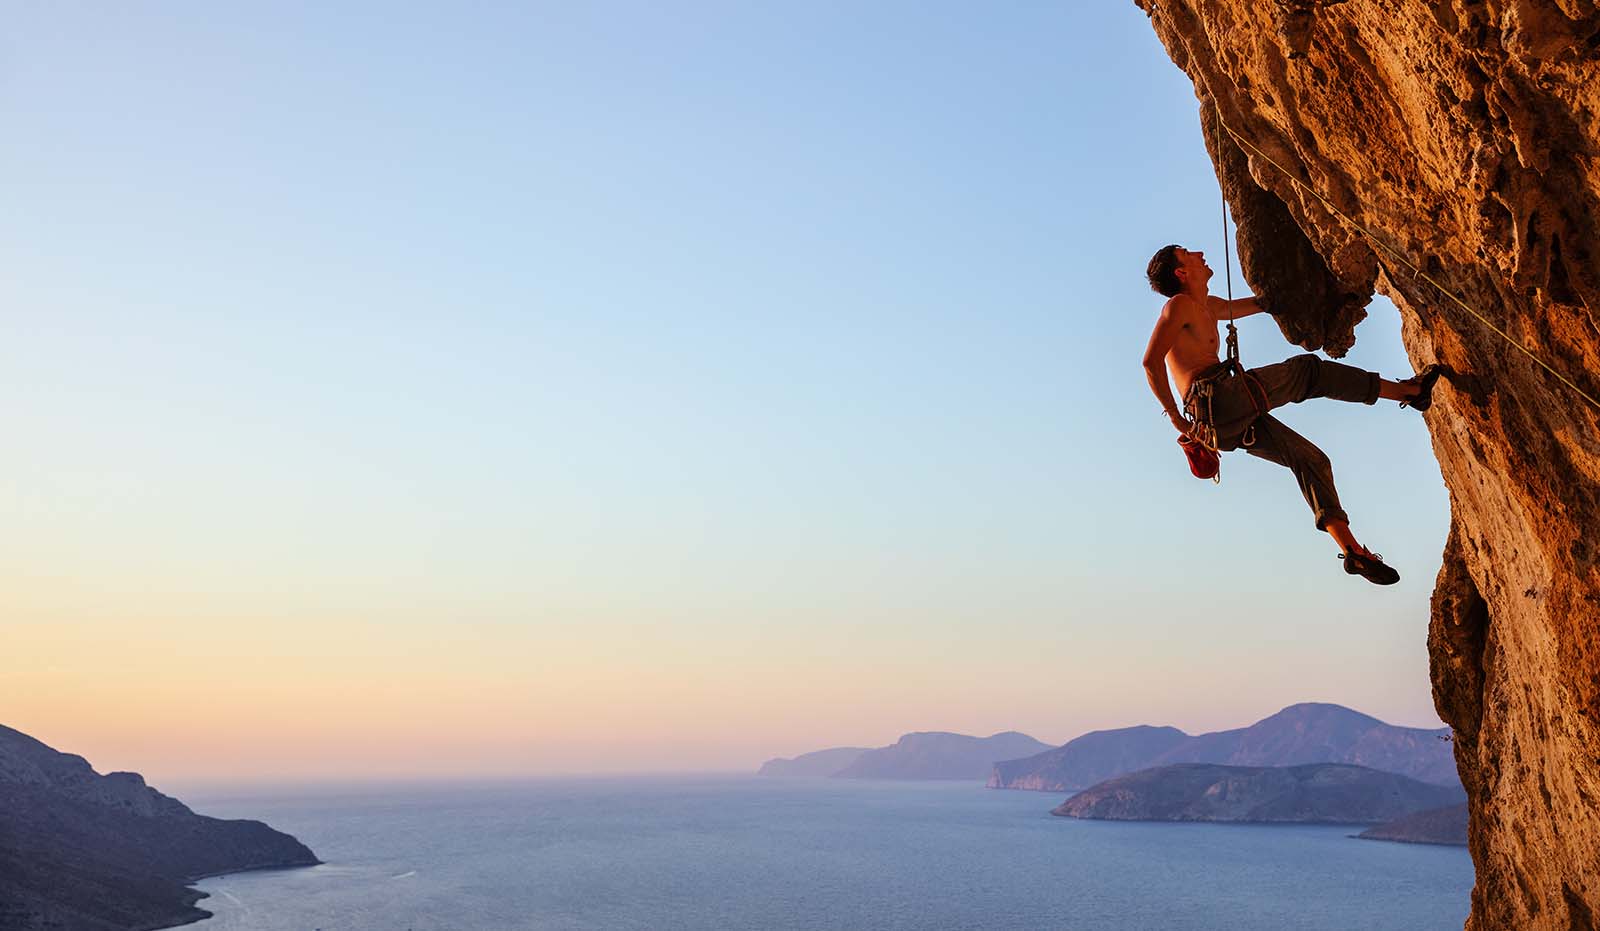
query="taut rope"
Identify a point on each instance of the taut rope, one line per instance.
(1415, 271)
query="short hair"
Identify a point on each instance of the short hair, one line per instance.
(1163, 271)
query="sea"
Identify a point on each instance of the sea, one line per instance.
(729, 852)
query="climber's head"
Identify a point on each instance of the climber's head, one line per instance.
(1173, 268)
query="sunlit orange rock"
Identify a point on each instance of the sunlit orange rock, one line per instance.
(1462, 138)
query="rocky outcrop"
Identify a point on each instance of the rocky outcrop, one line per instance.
(1309, 732)
(100, 853)
(818, 764)
(1318, 793)
(1462, 137)
(1447, 826)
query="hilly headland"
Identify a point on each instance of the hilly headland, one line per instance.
(1309, 732)
(1316, 793)
(91, 852)
(919, 755)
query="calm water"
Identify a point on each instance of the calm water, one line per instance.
(726, 853)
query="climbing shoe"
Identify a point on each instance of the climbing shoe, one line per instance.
(1424, 382)
(1369, 567)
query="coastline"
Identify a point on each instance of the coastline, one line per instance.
(1410, 840)
(198, 895)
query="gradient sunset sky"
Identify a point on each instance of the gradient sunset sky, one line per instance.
(582, 387)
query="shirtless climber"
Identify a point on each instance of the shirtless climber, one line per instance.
(1230, 411)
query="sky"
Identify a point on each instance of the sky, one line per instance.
(560, 388)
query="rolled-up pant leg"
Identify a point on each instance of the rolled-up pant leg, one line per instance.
(1275, 442)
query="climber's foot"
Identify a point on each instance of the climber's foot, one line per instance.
(1424, 381)
(1370, 566)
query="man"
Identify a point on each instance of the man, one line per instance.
(1230, 411)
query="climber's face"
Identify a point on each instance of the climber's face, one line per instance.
(1192, 267)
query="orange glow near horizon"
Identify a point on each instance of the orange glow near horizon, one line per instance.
(184, 697)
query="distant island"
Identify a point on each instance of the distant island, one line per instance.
(1311, 732)
(920, 755)
(819, 764)
(87, 852)
(1316, 793)
(1446, 826)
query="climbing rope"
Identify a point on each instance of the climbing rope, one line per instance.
(1205, 457)
(1415, 271)
(1227, 271)
(1206, 434)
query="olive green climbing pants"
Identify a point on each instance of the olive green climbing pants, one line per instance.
(1237, 410)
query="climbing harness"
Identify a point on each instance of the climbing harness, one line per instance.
(1205, 458)
(1415, 271)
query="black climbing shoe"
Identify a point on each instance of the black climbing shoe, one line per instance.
(1370, 568)
(1424, 382)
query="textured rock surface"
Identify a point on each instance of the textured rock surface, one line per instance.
(1317, 793)
(1465, 136)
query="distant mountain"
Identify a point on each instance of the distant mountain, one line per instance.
(819, 764)
(1438, 826)
(1311, 732)
(937, 755)
(1086, 760)
(88, 852)
(1320, 793)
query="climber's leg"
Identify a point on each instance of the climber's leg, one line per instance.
(1309, 376)
(1275, 442)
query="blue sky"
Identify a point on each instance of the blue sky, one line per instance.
(712, 349)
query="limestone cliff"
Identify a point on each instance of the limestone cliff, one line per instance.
(1464, 136)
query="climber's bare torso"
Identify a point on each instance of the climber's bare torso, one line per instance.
(1184, 341)
(1195, 340)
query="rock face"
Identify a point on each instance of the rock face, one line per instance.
(1318, 793)
(818, 764)
(938, 755)
(1440, 826)
(1310, 732)
(1463, 136)
(96, 853)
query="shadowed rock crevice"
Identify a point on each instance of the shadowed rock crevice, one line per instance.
(1457, 634)
(1315, 306)
(1465, 137)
